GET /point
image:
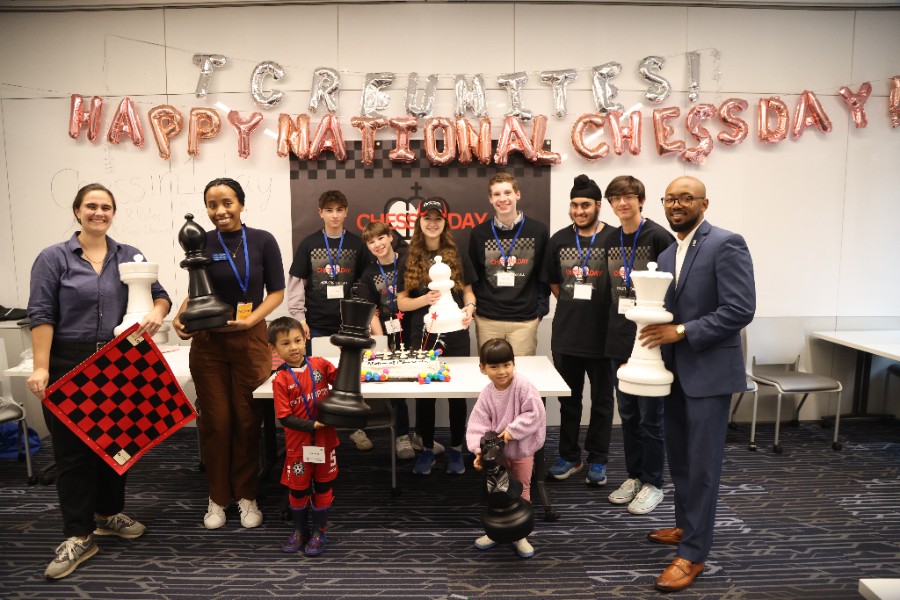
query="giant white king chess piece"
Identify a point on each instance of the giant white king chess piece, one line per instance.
(645, 374)
(443, 316)
(139, 276)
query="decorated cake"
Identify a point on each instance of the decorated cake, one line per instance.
(401, 365)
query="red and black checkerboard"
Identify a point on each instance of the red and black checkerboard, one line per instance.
(122, 401)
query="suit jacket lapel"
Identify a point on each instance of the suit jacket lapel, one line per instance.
(693, 249)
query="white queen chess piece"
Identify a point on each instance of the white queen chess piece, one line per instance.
(139, 276)
(445, 315)
(645, 373)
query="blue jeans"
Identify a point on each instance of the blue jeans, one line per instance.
(642, 433)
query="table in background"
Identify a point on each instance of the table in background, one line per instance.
(885, 343)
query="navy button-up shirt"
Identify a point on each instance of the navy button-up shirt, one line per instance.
(82, 305)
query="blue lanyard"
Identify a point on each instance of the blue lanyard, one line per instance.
(392, 288)
(244, 283)
(333, 272)
(511, 246)
(288, 368)
(629, 267)
(583, 259)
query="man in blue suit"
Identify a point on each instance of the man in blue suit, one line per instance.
(712, 297)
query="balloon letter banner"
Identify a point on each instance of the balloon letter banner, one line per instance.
(204, 125)
(244, 128)
(77, 117)
(857, 103)
(293, 135)
(126, 121)
(166, 122)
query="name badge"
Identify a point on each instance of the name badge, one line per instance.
(219, 257)
(582, 291)
(393, 326)
(243, 310)
(314, 454)
(334, 291)
(506, 279)
(625, 304)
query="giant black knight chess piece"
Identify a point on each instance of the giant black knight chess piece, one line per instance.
(204, 310)
(507, 517)
(345, 406)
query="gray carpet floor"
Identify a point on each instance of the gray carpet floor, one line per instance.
(808, 523)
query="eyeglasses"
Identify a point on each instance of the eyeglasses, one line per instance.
(625, 198)
(680, 200)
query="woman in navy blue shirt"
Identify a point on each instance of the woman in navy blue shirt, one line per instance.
(76, 300)
(228, 363)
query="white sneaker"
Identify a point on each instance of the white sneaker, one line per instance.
(626, 492)
(416, 441)
(404, 448)
(215, 516)
(523, 548)
(485, 543)
(250, 513)
(361, 440)
(646, 500)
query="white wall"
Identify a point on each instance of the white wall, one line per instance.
(819, 213)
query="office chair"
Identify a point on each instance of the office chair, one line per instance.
(789, 379)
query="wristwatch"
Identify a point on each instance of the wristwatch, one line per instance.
(679, 329)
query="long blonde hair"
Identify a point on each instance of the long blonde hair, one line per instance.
(418, 259)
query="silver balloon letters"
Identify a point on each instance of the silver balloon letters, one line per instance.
(325, 85)
(604, 90)
(470, 97)
(373, 99)
(414, 109)
(693, 75)
(513, 83)
(559, 81)
(262, 98)
(207, 63)
(649, 70)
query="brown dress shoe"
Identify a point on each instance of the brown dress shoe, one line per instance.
(670, 536)
(678, 575)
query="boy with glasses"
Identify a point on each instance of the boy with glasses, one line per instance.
(635, 243)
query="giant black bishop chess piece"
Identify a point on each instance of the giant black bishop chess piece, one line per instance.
(345, 406)
(204, 310)
(507, 517)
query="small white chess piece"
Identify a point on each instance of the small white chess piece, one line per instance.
(445, 315)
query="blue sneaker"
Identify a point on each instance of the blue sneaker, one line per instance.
(424, 463)
(563, 468)
(455, 464)
(596, 475)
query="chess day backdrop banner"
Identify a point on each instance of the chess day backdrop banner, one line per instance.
(391, 192)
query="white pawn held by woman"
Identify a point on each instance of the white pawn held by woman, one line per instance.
(445, 315)
(645, 373)
(139, 276)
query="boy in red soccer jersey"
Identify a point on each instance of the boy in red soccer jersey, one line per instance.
(310, 463)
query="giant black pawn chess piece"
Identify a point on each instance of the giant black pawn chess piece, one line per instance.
(507, 517)
(345, 406)
(204, 310)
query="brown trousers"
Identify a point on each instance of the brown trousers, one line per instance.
(226, 368)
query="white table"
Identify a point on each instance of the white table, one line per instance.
(884, 343)
(466, 381)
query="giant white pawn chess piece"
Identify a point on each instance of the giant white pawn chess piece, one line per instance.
(139, 276)
(445, 315)
(645, 373)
